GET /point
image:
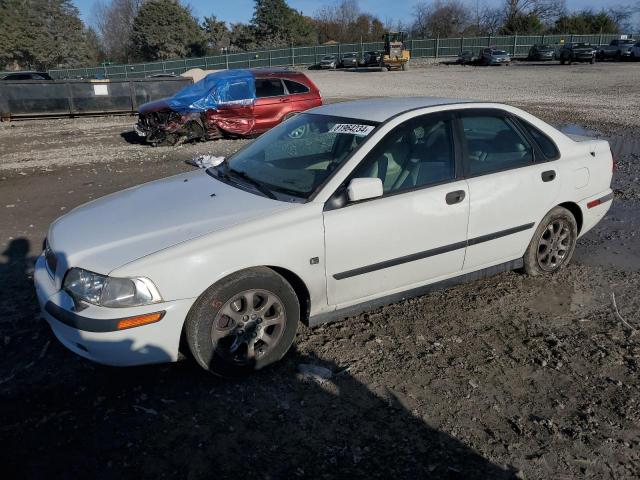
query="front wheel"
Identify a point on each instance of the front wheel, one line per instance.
(243, 323)
(553, 243)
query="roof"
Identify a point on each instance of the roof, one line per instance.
(381, 109)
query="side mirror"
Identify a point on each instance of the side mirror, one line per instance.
(364, 188)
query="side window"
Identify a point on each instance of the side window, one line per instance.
(494, 144)
(549, 149)
(295, 87)
(269, 87)
(414, 154)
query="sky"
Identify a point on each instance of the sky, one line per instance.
(242, 10)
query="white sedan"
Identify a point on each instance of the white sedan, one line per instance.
(338, 210)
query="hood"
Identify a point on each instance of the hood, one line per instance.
(157, 106)
(125, 226)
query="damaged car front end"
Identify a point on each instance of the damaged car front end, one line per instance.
(219, 105)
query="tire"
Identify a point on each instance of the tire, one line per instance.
(222, 325)
(553, 243)
(562, 61)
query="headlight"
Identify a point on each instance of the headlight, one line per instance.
(109, 291)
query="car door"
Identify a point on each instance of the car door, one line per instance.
(301, 97)
(416, 232)
(271, 100)
(511, 186)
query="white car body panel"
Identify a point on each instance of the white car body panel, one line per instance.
(175, 233)
(386, 228)
(119, 228)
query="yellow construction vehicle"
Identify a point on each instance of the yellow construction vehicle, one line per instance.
(395, 56)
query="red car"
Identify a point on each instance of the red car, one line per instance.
(229, 103)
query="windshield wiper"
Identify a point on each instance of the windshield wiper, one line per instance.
(260, 187)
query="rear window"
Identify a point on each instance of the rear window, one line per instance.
(295, 87)
(269, 87)
(549, 149)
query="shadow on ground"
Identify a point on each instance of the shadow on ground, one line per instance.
(65, 417)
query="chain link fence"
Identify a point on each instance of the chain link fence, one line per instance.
(516, 45)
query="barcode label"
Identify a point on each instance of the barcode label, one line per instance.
(352, 128)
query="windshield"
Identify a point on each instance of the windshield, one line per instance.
(499, 52)
(295, 157)
(328, 58)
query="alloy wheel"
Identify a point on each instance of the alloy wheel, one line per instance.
(554, 245)
(248, 326)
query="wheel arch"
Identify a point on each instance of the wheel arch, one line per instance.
(298, 285)
(575, 210)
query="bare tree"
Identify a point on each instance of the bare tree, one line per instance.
(345, 22)
(546, 10)
(441, 18)
(114, 22)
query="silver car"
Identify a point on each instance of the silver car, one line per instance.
(329, 61)
(349, 60)
(491, 56)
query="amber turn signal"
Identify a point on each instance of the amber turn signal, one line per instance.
(139, 320)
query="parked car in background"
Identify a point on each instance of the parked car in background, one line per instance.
(577, 52)
(465, 57)
(371, 59)
(541, 52)
(329, 61)
(27, 76)
(618, 49)
(228, 103)
(349, 60)
(491, 56)
(342, 209)
(635, 51)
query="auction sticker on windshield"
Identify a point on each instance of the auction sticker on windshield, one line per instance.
(352, 128)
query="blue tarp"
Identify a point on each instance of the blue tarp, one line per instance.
(229, 87)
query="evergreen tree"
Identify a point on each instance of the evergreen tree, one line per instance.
(42, 34)
(165, 29)
(216, 34)
(277, 24)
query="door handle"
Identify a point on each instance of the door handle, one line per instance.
(548, 176)
(455, 197)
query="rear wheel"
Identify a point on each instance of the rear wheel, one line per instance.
(553, 244)
(243, 323)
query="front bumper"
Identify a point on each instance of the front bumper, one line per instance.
(153, 343)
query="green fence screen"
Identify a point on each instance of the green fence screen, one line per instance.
(516, 45)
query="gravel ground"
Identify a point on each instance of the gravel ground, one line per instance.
(510, 377)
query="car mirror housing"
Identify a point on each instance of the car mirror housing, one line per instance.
(364, 188)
